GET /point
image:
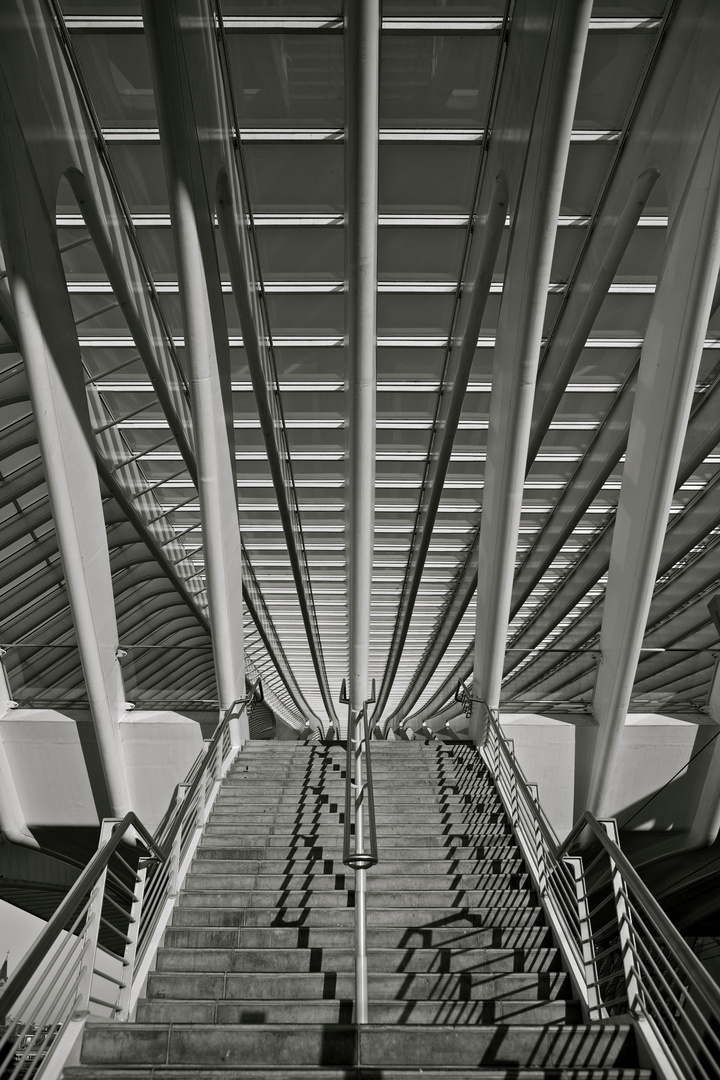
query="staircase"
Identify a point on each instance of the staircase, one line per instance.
(256, 974)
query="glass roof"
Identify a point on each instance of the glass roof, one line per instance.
(440, 78)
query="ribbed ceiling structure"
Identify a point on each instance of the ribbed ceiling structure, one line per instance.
(449, 95)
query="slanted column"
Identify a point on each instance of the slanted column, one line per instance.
(49, 345)
(362, 83)
(535, 208)
(666, 382)
(206, 344)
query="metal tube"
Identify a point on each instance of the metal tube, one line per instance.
(361, 973)
(592, 301)
(667, 376)
(518, 349)
(362, 80)
(208, 354)
(50, 349)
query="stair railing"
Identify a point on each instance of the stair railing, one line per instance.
(363, 857)
(82, 961)
(179, 835)
(625, 957)
(93, 956)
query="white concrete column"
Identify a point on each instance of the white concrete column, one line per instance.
(13, 825)
(534, 211)
(191, 209)
(362, 91)
(666, 383)
(49, 345)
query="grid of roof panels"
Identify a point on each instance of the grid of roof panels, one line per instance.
(440, 77)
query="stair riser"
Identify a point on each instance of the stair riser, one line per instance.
(334, 1012)
(314, 986)
(273, 898)
(385, 868)
(346, 880)
(277, 937)
(380, 960)
(345, 917)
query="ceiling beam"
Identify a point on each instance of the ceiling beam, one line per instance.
(362, 91)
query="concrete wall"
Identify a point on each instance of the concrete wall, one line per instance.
(55, 765)
(555, 752)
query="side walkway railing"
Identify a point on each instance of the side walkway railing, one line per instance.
(94, 954)
(624, 955)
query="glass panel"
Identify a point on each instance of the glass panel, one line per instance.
(288, 79)
(435, 81)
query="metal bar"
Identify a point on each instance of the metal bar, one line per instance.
(362, 82)
(479, 292)
(518, 345)
(45, 941)
(205, 343)
(666, 383)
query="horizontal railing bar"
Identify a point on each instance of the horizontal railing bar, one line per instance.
(706, 1026)
(109, 926)
(110, 978)
(121, 885)
(666, 1032)
(111, 954)
(118, 907)
(105, 1004)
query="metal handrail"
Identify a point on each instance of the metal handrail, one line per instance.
(361, 859)
(118, 910)
(699, 975)
(624, 955)
(20, 979)
(210, 754)
(364, 792)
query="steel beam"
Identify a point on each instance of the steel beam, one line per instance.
(362, 91)
(206, 342)
(517, 350)
(666, 383)
(451, 408)
(49, 345)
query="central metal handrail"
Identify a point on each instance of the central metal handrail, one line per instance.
(362, 858)
(625, 957)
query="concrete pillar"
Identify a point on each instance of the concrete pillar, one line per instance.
(666, 383)
(49, 345)
(362, 90)
(534, 210)
(206, 343)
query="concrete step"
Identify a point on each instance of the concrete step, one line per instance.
(379, 1046)
(384, 986)
(385, 868)
(359, 1073)
(388, 819)
(331, 1010)
(439, 960)
(331, 848)
(197, 881)
(284, 915)
(517, 940)
(391, 836)
(338, 898)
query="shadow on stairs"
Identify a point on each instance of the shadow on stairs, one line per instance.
(256, 974)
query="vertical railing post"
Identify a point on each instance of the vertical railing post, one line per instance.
(628, 948)
(539, 844)
(91, 931)
(122, 1005)
(587, 947)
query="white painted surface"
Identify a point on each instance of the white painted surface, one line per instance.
(55, 763)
